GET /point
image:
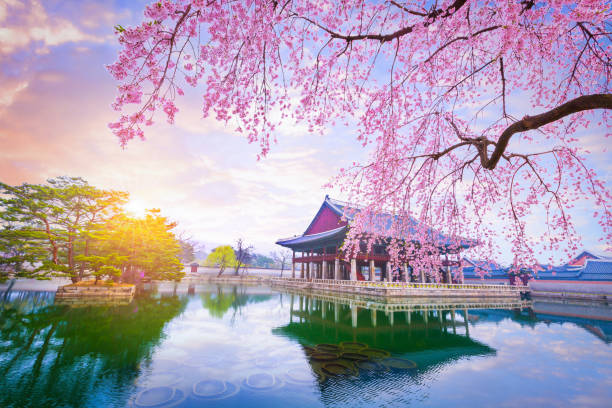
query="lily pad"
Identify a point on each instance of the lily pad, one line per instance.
(354, 356)
(317, 369)
(308, 350)
(375, 353)
(353, 345)
(325, 347)
(338, 367)
(321, 356)
(399, 363)
(370, 366)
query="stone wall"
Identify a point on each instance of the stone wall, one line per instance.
(101, 291)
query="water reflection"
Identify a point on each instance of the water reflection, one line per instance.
(229, 345)
(594, 318)
(56, 355)
(374, 344)
(219, 299)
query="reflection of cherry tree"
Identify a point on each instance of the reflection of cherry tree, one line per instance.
(72, 355)
(449, 96)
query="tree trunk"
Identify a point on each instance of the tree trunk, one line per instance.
(86, 253)
(74, 276)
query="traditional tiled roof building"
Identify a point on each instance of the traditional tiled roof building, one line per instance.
(317, 251)
(585, 269)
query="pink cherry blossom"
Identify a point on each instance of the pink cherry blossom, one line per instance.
(473, 110)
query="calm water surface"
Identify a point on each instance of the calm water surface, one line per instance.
(231, 346)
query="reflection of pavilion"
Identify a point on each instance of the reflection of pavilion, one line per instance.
(426, 333)
(431, 335)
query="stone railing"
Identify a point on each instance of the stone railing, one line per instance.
(403, 285)
(402, 289)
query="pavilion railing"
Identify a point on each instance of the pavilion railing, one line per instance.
(404, 285)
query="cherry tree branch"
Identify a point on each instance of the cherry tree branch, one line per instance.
(579, 104)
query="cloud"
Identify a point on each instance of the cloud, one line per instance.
(25, 23)
(9, 88)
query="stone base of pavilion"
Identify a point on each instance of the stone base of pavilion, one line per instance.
(403, 289)
(410, 304)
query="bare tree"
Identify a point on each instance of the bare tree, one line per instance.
(282, 257)
(243, 254)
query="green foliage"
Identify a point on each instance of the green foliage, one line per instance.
(145, 247)
(221, 257)
(71, 355)
(262, 261)
(69, 228)
(103, 266)
(219, 302)
(45, 226)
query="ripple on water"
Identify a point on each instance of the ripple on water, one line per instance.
(262, 382)
(162, 378)
(164, 364)
(212, 389)
(299, 375)
(159, 396)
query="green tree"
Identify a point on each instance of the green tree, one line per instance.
(69, 228)
(44, 227)
(145, 247)
(221, 257)
(101, 266)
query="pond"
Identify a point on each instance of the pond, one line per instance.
(236, 346)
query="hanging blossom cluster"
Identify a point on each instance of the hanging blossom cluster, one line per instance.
(431, 90)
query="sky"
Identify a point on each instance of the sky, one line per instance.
(55, 97)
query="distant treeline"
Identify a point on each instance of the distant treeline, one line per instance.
(72, 229)
(242, 256)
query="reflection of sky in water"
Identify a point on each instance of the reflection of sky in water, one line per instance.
(227, 346)
(556, 365)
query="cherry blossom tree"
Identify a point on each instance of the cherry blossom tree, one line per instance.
(474, 111)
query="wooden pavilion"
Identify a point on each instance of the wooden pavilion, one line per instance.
(318, 254)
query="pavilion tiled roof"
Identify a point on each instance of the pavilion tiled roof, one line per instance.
(383, 223)
(320, 237)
